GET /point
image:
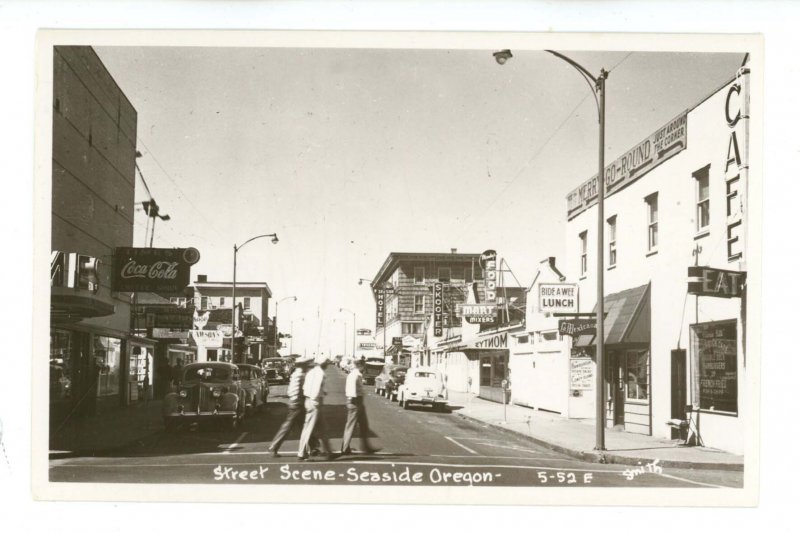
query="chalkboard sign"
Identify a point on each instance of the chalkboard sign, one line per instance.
(581, 373)
(717, 373)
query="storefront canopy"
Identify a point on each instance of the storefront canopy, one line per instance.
(627, 318)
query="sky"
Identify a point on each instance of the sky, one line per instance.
(351, 154)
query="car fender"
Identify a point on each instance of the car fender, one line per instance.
(229, 401)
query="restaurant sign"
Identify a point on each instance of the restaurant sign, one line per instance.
(706, 281)
(577, 326)
(158, 270)
(667, 141)
(206, 338)
(558, 297)
(479, 313)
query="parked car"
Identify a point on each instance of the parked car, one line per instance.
(206, 392)
(372, 368)
(387, 382)
(255, 386)
(276, 370)
(424, 386)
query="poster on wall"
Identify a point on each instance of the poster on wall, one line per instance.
(159, 270)
(581, 374)
(716, 384)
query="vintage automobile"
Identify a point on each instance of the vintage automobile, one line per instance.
(206, 392)
(255, 386)
(276, 369)
(424, 386)
(372, 368)
(387, 382)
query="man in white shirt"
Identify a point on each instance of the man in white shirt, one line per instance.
(355, 410)
(314, 390)
(295, 406)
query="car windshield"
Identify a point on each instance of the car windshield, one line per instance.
(274, 364)
(214, 374)
(425, 375)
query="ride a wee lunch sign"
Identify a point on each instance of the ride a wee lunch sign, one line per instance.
(158, 270)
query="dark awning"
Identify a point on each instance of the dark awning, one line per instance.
(627, 318)
(392, 350)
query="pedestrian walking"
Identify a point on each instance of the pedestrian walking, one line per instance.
(356, 413)
(296, 409)
(314, 390)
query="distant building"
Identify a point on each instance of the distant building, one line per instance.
(94, 360)
(408, 280)
(676, 211)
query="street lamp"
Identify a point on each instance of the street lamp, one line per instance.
(294, 299)
(233, 295)
(354, 328)
(598, 87)
(362, 280)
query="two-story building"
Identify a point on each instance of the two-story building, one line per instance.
(404, 298)
(675, 257)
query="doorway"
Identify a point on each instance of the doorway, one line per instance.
(618, 388)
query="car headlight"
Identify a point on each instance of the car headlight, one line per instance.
(183, 394)
(217, 393)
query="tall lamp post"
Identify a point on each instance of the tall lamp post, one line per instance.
(341, 309)
(233, 294)
(597, 84)
(292, 298)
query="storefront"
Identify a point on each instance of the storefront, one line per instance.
(627, 359)
(480, 365)
(141, 369)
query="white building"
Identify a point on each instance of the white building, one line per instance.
(675, 200)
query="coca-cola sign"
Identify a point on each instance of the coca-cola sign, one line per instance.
(159, 270)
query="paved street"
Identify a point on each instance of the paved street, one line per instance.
(417, 447)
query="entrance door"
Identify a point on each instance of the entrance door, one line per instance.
(618, 362)
(678, 384)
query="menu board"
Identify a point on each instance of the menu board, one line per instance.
(581, 374)
(717, 371)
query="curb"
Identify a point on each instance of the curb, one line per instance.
(607, 458)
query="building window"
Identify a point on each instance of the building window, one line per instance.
(412, 328)
(549, 336)
(444, 274)
(419, 304)
(222, 301)
(584, 257)
(703, 202)
(419, 275)
(637, 382)
(107, 356)
(652, 222)
(204, 302)
(246, 303)
(612, 241)
(468, 275)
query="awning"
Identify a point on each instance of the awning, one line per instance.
(627, 318)
(392, 350)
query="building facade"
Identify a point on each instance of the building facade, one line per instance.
(93, 181)
(676, 211)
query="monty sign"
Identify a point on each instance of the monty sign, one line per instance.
(558, 298)
(158, 270)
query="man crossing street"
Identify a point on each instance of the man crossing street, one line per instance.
(356, 413)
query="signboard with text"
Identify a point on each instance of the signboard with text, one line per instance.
(380, 308)
(364, 332)
(714, 345)
(438, 309)
(577, 326)
(706, 281)
(666, 142)
(206, 338)
(581, 374)
(158, 270)
(488, 262)
(479, 313)
(558, 297)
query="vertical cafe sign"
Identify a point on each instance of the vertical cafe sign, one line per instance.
(736, 164)
(438, 309)
(158, 270)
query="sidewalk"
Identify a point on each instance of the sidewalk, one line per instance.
(576, 438)
(107, 430)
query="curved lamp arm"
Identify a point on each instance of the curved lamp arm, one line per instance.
(593, 82)
(273, 235)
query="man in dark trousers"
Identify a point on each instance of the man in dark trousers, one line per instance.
(355, 410)
(296, 411)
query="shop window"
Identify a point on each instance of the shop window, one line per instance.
(107, 354)
(60, 365)
(584, 251)
(612, 241)
(652, 222)
(222, 301)
(419, 304)
(204, 302)
(714, 357)
(703, 201)
(637, 368)
(549, 336)
(419, 275)
(247, 303)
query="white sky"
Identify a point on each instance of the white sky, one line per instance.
(350, 154)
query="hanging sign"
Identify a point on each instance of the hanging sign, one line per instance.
(207, 338)
(364, 332)
(558, 297)
(488, 262)
(380, 308)
(438, 309)
(479, 313)
(706, 281)
(577, 326)
(159, 270)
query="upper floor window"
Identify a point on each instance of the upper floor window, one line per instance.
(419, 304)
(468, 274)
(652, 222)
(419, 275)
(247, 303)
(412, 328)
(584, 257)
(612, 241)
(204, 302)
(222, 301)
(444, 274)
(703, 201)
